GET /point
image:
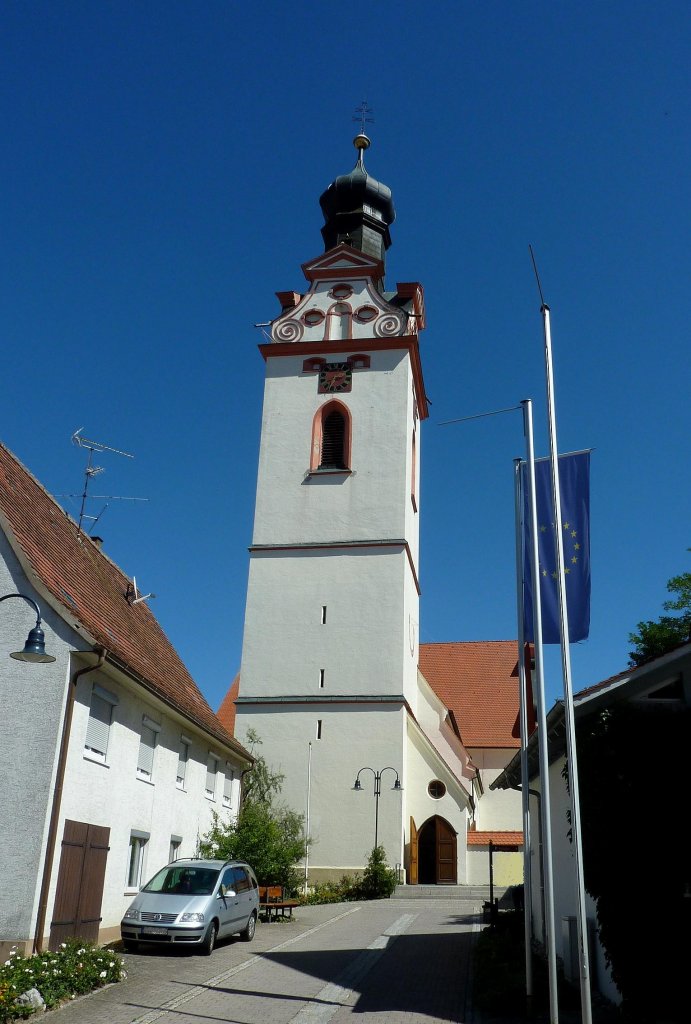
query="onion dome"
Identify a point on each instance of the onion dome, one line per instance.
(358, 209)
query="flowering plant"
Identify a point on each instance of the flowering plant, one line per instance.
(74, 968)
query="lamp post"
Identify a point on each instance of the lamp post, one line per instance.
(377, 792)
(35, 646)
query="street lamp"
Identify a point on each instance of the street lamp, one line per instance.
(377, 792)
(35, 646)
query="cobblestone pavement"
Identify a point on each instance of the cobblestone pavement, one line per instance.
(399, 962)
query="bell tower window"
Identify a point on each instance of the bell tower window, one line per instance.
(331, 439)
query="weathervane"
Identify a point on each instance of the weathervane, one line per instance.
(361, 113)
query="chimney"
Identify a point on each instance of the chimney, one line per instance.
(98, 541)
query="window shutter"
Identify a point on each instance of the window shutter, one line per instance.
(147, 744)
(211, 768)
(182, 761)
(228, 786)
(333, 441)
(98, 728)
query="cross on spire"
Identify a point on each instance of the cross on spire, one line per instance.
(361, 113)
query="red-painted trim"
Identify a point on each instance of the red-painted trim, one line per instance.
(317, 429)
(312, 365)
(408, 342)
(363, 266)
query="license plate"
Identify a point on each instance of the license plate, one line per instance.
(154, 931)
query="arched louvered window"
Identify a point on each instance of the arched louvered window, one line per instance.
(331, 439)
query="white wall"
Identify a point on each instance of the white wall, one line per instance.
(113, 795)
(352, 737)
(498, 810)
(32, 698)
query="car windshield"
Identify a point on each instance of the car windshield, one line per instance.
(180, 880)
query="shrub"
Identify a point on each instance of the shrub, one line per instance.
(379, 880)
(75, 968)
(331, 892)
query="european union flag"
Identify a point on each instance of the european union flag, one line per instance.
(574, 488)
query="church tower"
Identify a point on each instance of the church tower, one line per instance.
(329, 673)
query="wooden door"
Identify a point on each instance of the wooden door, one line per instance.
(446, 853)
(413, 873)
(79, 893)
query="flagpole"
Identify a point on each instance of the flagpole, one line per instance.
(523, 728)
(546, 816)
(307, 816)
(583, 957)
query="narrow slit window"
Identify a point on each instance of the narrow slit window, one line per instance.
(319, 728)
(321, 678)
(323, 614)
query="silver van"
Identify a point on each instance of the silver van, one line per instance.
(193, 902)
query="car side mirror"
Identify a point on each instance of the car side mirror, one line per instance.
(228, 893)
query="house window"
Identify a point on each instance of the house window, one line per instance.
(147, 746)
(321, 678)
(175, 844)
(319, 728)
(135, 866)
(228, 786)
(183, 757)
(98, 727)
(211, 770)
(436, 789)
(323, 614)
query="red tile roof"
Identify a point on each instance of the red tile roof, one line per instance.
(89, 589)
(496, 838)
(478, 681)
(226, 712)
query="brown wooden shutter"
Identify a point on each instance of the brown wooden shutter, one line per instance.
(79, 893)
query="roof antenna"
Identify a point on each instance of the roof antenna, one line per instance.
(91, 471)
(133, 596)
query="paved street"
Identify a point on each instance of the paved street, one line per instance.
(398, 961)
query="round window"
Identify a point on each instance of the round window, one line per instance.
(436, 789)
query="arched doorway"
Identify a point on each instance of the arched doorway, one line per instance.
(437, 853)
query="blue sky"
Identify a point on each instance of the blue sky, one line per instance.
(162, 164)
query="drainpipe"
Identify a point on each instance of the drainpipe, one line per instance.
(57, 797)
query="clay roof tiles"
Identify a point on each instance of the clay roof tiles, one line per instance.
(92, 590)
(478, 681)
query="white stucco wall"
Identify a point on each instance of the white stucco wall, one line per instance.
(497, 810)
(373, 501)
(32, 698)
(352, 737)
(423, 767)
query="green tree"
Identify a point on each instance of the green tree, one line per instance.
(265, 834)
(656, 637)
(379, 880)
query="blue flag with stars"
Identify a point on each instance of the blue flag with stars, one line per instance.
(574, 488)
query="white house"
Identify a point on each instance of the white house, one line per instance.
(333, 678)
(111, 761)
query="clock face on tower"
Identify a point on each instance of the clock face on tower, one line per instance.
(335, 378)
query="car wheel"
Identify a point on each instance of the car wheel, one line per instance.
(247, 934)
(130, 945)
(209, 940)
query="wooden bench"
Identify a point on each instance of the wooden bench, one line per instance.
(272, 900)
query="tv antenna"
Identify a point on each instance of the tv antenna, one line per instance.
(133, 596)
(92, 471)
